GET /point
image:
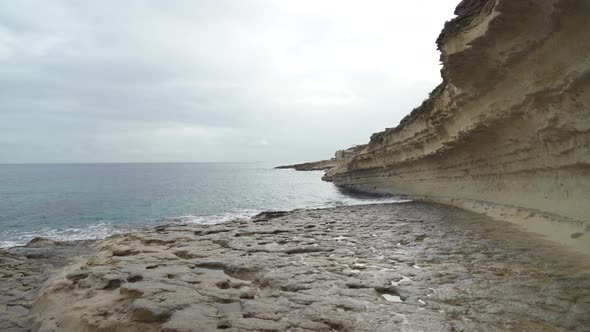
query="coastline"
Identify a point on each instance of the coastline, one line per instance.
(403, 266)
(321, 165)
(472, 212)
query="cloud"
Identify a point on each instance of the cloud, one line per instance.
(260, 143)
(203, 80)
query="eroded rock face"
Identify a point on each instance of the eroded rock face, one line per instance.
(511, 123)
(396, 267)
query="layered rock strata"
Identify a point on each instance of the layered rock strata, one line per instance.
(393, 267)
(508, 130)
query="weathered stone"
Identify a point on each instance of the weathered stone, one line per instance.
(76, 276)
(147, 311)
(41, 242)
(23, 270)
(468, 273)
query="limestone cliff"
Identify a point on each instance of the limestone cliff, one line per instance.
(321, 165)
(340, 158)
(510, 124)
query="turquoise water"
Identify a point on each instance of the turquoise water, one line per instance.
(85, 201)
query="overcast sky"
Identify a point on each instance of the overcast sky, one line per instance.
(219, 80)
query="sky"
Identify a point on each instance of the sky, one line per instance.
(218, 80)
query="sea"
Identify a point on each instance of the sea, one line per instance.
(92, 201)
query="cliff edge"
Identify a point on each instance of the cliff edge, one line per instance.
(507, 132)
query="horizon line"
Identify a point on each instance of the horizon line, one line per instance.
(136, 162)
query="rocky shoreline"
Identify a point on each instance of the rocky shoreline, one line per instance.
(409, 267)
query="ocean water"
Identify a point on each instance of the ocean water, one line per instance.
(87, 201)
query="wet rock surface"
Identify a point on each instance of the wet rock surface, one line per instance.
(23, 270)
(408, 267)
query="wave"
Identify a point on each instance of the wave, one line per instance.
(218, 218)
(98, 230)
(103, 229)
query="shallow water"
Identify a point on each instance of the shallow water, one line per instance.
(85, 201)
